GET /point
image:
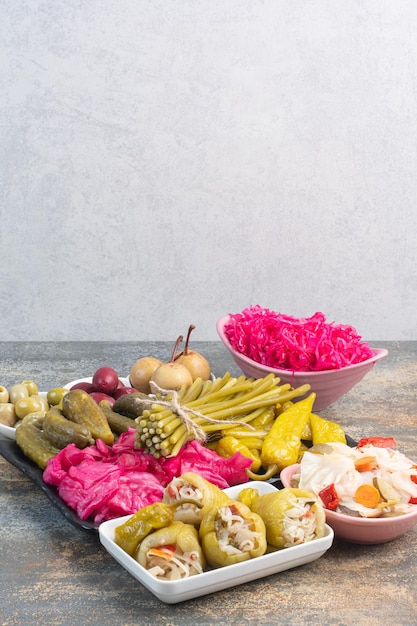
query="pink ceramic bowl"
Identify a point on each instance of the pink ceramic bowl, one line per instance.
(361, 529)
(329, 385)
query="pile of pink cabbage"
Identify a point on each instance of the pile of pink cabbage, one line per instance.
(297, 344)
(103, 482)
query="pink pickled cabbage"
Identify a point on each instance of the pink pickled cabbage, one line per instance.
(222, 472)
(103, 482)
(297, 344)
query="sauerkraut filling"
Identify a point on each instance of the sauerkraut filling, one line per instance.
(235, 534)
(179, 490)
(170, 563)
(300, 523)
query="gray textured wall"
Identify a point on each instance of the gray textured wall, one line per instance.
(165, 162)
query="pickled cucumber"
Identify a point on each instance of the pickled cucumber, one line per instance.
(132, 404)
(32, 442)
(118, 423)
(79, 407)
(61, 432)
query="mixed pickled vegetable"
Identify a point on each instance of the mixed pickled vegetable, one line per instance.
(370, 480)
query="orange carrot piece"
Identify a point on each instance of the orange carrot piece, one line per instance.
(366, 464)
(368, 496)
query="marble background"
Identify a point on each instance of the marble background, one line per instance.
(166, 162)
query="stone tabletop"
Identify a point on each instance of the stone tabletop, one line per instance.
(53, 573)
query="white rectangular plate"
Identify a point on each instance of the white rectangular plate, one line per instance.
(214, 580)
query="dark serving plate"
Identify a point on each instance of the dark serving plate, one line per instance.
(12, 453)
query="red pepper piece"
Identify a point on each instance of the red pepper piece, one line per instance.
(412, 501)
(378, 442)
(329, 497)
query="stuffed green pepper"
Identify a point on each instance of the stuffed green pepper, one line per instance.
(291, 516)
(231, 533)
(193, 495)
(172, 553)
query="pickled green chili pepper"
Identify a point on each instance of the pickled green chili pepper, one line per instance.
(282, 444)
(325, 431)
(227, 446)
(231, 534)
(129, 534)
(248, 495)
(307, 434)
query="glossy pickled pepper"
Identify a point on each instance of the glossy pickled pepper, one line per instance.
(325, 431)
(154, 516)
(282, 444)
(228, 446)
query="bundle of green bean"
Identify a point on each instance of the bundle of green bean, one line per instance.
(208, 407)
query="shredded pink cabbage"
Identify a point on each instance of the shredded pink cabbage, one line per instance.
(297, 344)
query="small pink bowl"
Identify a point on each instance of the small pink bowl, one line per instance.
(328, 385)
(366, 530)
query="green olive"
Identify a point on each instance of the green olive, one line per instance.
(32, 387)
(31, 404)
(18, 391)
(55, 395)
(4, 394)
(7, 414)
(42, 399)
